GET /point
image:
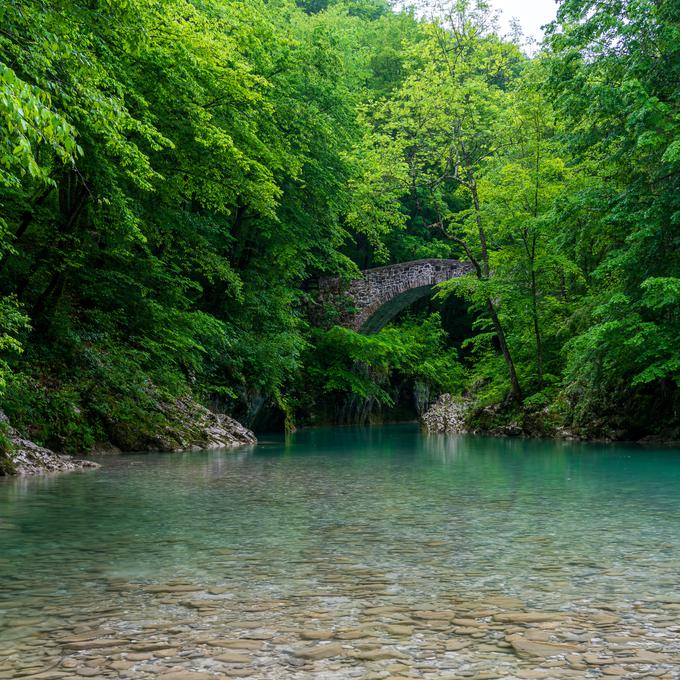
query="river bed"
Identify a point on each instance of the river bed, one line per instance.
(347, 553)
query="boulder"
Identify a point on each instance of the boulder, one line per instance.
(445, 416)
(532, 648)
(180, 425)
(193, 426)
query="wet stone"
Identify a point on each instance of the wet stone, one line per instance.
(93, 644)
(187, 675)
(532, 648)
(320, 651)
(529, 617)
(171, 589)
(378, 654)
(456, 645)
(233, 657)
(352, 634)
(434, 615)
(165, 653)
(121, 665)
(412, 587)
(398, 630)
(316, 634)
(236, 644)
(150, 646)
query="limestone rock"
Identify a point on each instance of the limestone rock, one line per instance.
(185, 675)
(378, 654)
(445, 416)
(27, 458)
(233, 657)
(193, 427)
(529, 617)
(428, 615)
(95, 644)
(165, 589)
(320, 651)
(456, 645)
(253, 645)
(311, 634)
(530, 648)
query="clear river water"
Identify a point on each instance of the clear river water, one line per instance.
(347, 553)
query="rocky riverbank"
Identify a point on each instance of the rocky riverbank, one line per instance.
(185, 426)
(24, 457)
(456, 415)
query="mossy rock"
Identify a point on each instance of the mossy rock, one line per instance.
(7, 466)
(177, 425)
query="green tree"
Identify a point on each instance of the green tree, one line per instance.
(614, 73)
(443, 122)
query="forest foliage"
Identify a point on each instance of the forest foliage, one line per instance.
(175, 176)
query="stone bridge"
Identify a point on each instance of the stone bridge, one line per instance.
(381, 293)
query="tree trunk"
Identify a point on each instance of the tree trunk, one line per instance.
(472, 185)
(537, 331)
(515, 388)
(531, 256)
(532, 262)
(73, 197)
(24, 223)
(48, 300)
(483, 273)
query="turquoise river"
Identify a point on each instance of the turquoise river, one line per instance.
(347, 553)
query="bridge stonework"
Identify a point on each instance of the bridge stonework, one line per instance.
(381, 293)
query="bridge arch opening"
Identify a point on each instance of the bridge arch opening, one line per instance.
(393, 308)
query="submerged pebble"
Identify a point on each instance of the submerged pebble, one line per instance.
(401, 557)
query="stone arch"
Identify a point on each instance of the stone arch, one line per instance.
(379, 294)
